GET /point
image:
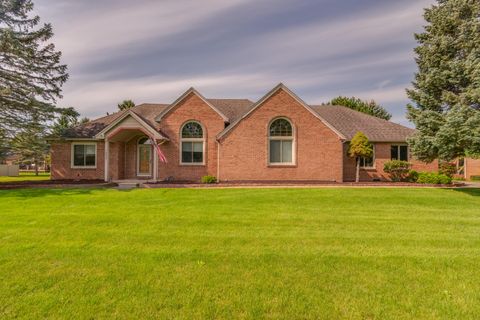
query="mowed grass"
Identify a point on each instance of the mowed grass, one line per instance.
(26, 176)
(329, 253)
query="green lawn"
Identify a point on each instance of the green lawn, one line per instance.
(240, 253)
(26, 177)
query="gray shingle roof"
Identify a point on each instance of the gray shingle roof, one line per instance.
(349, 122)
(147, 111)
(233, 109)
(344, 120)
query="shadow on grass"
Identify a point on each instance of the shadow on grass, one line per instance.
(45, 192)
(475, 192)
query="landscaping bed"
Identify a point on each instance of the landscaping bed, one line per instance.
(52, 184)
(279, 184)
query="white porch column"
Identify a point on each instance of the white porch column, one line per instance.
(155, 165)
(107, 158)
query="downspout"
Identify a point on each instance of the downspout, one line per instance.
(218, 161)
(343, 144)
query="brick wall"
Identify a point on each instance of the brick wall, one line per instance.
(382, 155)
(61, 163)
(244, 151)
(472, 167)
(191, 108)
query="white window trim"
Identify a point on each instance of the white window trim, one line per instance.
(292, 138)
(398, 145)
(72, 155)
(374, 166)
(203, 140)
(138, 160)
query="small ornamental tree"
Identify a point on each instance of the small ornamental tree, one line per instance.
(359, 148)
(126, 104)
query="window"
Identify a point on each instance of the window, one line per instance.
(193, 142)
(461, 166)
(399, 153)
(368, 162)
(280, 139)
(84, 155)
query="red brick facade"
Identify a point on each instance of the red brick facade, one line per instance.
(191, 108)
(241, 154)
(472, 168)
(317, 149)
(382, 155)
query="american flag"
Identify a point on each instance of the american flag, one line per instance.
(160, 154)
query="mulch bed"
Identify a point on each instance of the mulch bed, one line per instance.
(236, 184)
(299, 184)
(54, 184)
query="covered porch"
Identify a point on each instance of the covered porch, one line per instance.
(129, 149)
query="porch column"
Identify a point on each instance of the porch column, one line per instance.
(107, 157)
(155, 165)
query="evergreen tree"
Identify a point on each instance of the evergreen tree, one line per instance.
(30, 144)
(126, 104)
(67, 119)
(446, 89)
(359, 148)
(31, 75)
(3, 146)
(368, 107)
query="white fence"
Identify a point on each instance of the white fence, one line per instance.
(9, 170)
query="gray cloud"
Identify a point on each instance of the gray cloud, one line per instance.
(151, 51)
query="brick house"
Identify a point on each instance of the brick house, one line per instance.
(279, 137)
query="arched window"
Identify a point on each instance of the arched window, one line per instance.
(281, 142)
(192, 143)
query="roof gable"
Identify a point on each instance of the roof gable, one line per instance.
(280, 86)
(138, 119)
(183, 97)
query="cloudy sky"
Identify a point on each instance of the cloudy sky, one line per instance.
(152, 51)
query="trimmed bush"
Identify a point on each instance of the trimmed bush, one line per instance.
(209, 179)
(447, 168)
(397, 170)
(475, 178)
(433, 178)
(412, 176)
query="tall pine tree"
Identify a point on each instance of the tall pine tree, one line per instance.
(31, 75)
(446, 90)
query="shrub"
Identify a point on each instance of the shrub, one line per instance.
(397, 170)
(412, 176)
(209, 179)
(475, 178)
(433, 178)
(447, 168)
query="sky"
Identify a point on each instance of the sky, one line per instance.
(153, 51)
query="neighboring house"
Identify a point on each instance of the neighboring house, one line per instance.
(279, 137)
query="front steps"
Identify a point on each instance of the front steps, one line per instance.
(129, 184)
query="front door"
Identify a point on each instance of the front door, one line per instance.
(144, 160)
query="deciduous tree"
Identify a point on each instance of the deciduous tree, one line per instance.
(126, 104)
(368, 107)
